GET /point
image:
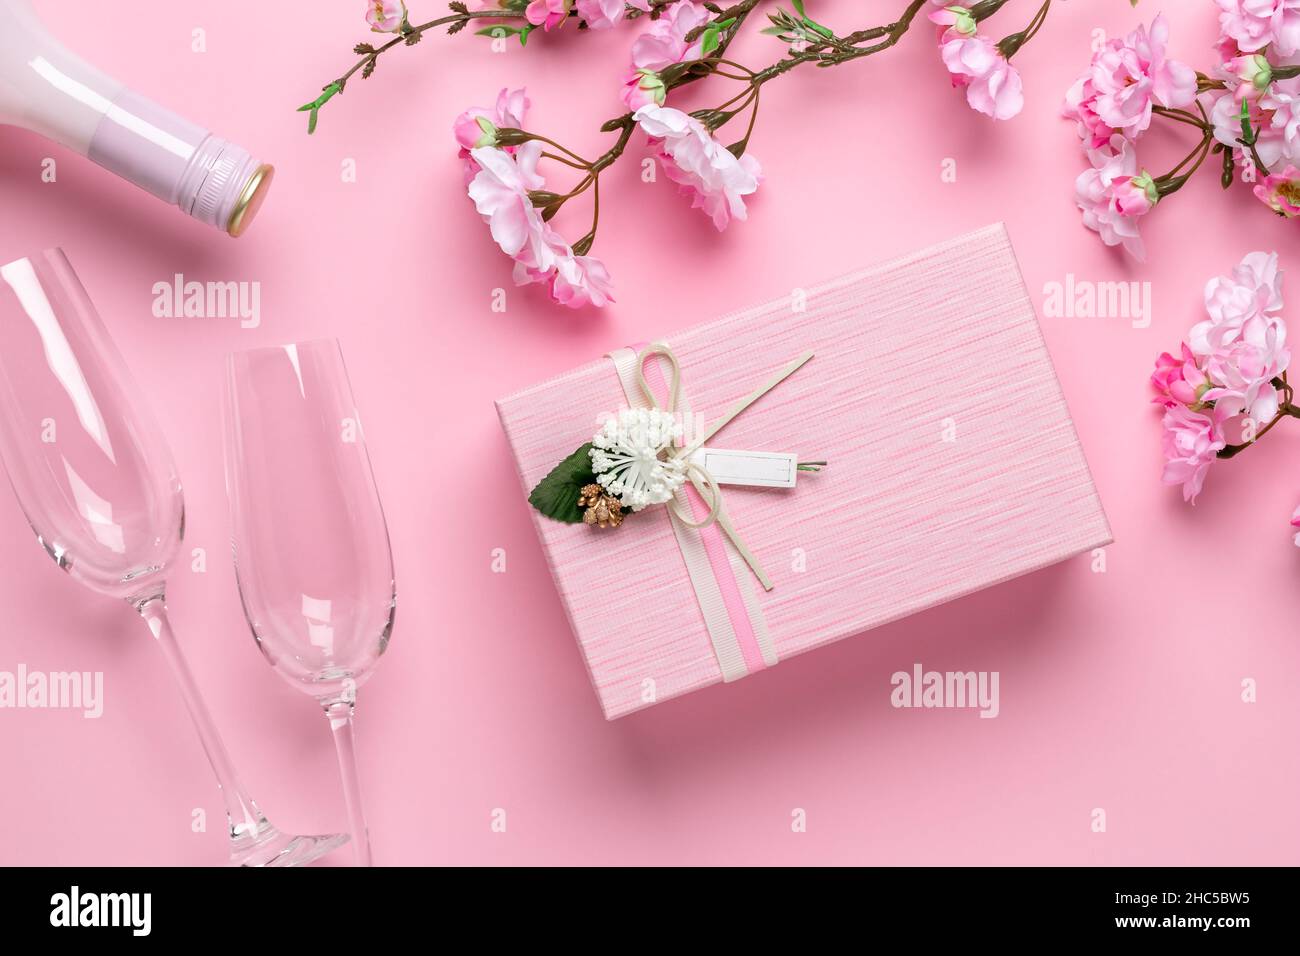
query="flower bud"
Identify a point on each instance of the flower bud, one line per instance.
(1254, 72)
(1137, 195)
(958, 19)
(643, 88)
(473, 131)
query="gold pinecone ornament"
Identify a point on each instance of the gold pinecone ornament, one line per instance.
(603, 510)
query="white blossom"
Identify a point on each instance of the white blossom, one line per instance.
(627, 456)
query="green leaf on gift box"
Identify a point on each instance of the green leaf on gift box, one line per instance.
(556, 495)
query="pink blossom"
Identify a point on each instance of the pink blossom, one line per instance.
(385, 16)
(548, 14)
(1098, 192)
(1080, 103)
(1270, 142)
(703, 168)
(1191, 442)
(1256, 24)
(1274, 118)
(571, 280)
(1281, 106)
(477, 126)
(1253, 290)
(1125, 78)
(500, 192)
(1247, 370)
(1242, 345)
(1281, 192)
(664, 43)
(1178, 381)
(659, 47)
(603, 14)
(581, 280)
(993, 85)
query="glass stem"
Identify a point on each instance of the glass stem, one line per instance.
(339, 713)
(245, 819)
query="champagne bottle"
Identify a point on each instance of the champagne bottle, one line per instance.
(46, 88)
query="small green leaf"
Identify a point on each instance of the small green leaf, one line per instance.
(315, 105)
(556, 495)
(523, 35)
(709, 42)
(814, 25)
(798, 7)
(497, 31)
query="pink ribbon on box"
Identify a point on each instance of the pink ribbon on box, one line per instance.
(716, 560)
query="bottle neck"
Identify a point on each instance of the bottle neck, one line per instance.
(178, 161)
(52, 91)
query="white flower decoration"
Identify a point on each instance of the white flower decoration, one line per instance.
(625, 457)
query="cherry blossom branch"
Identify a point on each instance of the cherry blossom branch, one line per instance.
(406, 34)
(1230, 374)
(829, 51)
(1247, 113)
(688, 41)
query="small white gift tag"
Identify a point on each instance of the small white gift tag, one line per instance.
(760, 469)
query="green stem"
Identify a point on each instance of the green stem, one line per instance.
(1175, 180)
(1179, 116)
(583, 164)
(892, 33)
(566, 162)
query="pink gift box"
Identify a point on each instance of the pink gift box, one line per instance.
(953, 466)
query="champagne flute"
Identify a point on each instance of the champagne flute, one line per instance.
(96, 480)
(311, 549)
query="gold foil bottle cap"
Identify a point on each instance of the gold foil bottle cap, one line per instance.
(250, 200)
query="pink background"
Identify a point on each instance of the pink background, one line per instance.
(1118, 690)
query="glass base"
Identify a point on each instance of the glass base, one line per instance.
(273, 848)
